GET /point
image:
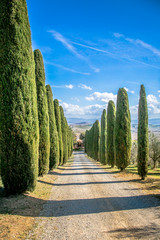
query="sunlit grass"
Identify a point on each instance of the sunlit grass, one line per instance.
(154, 173)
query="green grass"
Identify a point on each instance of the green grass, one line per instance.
(151, 172)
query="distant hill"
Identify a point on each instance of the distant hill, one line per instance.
(80, 121)
(79, 125)
(83, 121)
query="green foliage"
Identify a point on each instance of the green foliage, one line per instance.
(92, 141)
(18, 100)
(111, 114)
(143, 143)
(86, 141)
(70, 141)
(89, 135)
(44, 138)
(122, 130)
(59, 129)
(97, 135)
(82, 136)
(103, 139)
(54, 141)
(154, 148)
(64, 135)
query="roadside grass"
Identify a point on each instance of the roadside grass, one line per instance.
(151, 185)
(18, 213)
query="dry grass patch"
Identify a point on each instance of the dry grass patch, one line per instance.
(18, 213)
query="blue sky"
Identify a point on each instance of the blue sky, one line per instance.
(91, 48)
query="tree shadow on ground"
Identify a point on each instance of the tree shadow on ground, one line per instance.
(83, 168)
(148, 232)
(87, 183)
(25, 205)
(83, 173)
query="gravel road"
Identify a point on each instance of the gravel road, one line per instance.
(89, 203)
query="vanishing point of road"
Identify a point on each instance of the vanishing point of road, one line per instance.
(87, 202)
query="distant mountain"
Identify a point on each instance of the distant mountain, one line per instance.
(83, 121)
(80, 121)
(154, 121)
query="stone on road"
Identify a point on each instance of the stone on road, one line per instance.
(89, 203)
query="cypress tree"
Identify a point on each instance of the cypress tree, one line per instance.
(86, 141)
(44, 138)
(103, 140)
(110, 133)
(66, 123)
(59, 129)
(18, 100)
(122, 130)
(64, 135)
(96, 142)
(54, 141)
(70, 141)
(143, 143)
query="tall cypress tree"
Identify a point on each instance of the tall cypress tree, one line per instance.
(66, 124)
(64, 135)
(54, 141)
(97, 135)
(70, 141)
(122, 130)
(86, 141)
(18, 100)
(59, 129)
(44, 138)
(110, 133)
(143, 143)
(103, 140)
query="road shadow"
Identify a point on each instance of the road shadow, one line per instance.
(83, 173)
(20, 205)
(148, 232)
(88, 183)
(79, 169)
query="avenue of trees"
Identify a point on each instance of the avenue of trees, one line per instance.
(34, 133)
(112, 144)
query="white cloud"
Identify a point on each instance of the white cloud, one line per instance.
(134, 110)
(158, 92)
(153, 107)
(69, 86)
(130, 91)
(153, 104)
(118, 35)
(148, 46)
(151, 99)
(139, 42)
(136, 83)
(117, 56)
(75, 99)
(104, 97)
(66, 68)
(74, 110)
(96, 70)
(83, 86)
(68, 44)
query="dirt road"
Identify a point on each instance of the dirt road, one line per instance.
(88, 203)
